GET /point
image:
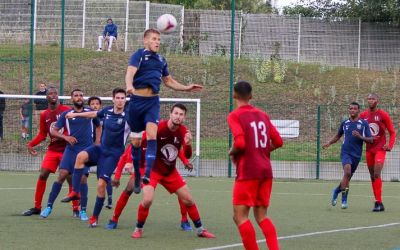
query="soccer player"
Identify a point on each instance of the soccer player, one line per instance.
(54, 151)
(254, 139)
(379, 121)
(355, 131)
(145, 72)
(94, 103)
(126, 162)
(79, 136)
(171, 135)
(106, 155)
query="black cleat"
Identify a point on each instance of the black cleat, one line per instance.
(136, 187)
(72, 196)
(145, 180)
(378, 207)
(31, 211)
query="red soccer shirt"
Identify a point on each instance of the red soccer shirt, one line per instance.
(48, 118)
(379, 121)
(254, 133)
(169, 144)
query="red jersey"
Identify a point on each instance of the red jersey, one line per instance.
(379, 121)
(169, 144)
(253, 133)
(48, 118)
(126, 157)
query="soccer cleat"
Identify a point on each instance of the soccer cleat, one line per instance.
(145, 180)
(46, 212)
(31, 211)
(111, 225)
(334, 197)
(205, 234)
(72, 196)
(109, 205)
(99, 49)
(137, 234)
(83, 215)
(378, 207)
(93, 222)
(185, 226)
(345, 205)
(75, 213)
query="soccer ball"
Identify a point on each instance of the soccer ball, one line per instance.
(166, 23)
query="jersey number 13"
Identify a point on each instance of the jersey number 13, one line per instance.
(259, 128)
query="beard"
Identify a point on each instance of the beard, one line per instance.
(78, 105)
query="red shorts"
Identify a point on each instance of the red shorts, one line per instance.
(171, 182)
(51, 160)
(252, 193)
(375, 158)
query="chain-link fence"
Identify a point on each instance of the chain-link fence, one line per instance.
(340, 42)
(301, 157)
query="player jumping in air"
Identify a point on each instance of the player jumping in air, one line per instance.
(145, 72)
(355, 131)
(254, 139)
(379, 121)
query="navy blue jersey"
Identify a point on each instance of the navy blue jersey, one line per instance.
(150, 68)
(80, 128)
(115, 128)
(351, 144)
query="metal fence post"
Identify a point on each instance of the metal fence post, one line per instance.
(34, 20)
(318, 141)
(147, 14)
(298, 39)
(359, 44)
(126, 26)
(240, 33)
(83, 23)
(182, 26)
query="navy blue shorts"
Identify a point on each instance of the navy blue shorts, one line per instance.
(348, 159)
(143, 109)
(105, 159)
(68, 160)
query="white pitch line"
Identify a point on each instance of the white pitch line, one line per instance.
(308, 234)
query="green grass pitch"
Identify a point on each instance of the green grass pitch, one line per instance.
(300, 210)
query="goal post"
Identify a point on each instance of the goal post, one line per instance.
(11, 125)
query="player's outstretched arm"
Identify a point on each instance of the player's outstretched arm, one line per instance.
(175, 85)
(90, 114)
(332, 141)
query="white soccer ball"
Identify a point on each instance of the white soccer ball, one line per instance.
(166, 23)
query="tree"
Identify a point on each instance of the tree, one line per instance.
(367, 10)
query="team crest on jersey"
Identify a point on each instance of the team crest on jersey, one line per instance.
(119, 121)
(346, 127)
(374, 129)
(358, 126)
(170, 152)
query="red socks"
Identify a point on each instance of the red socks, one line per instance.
(142, 214)
(269, 232)
(377, 188)
(75, 203)
(248, 235)
(121, 203)
(39, 192)
(183, 211)
(193, 213)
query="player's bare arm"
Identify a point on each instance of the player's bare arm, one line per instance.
(32, 151)
(90, 114)
(175, 85)
(332, 141)
(130, 73)
(366, 139)
(99, 130)
(55, 132)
